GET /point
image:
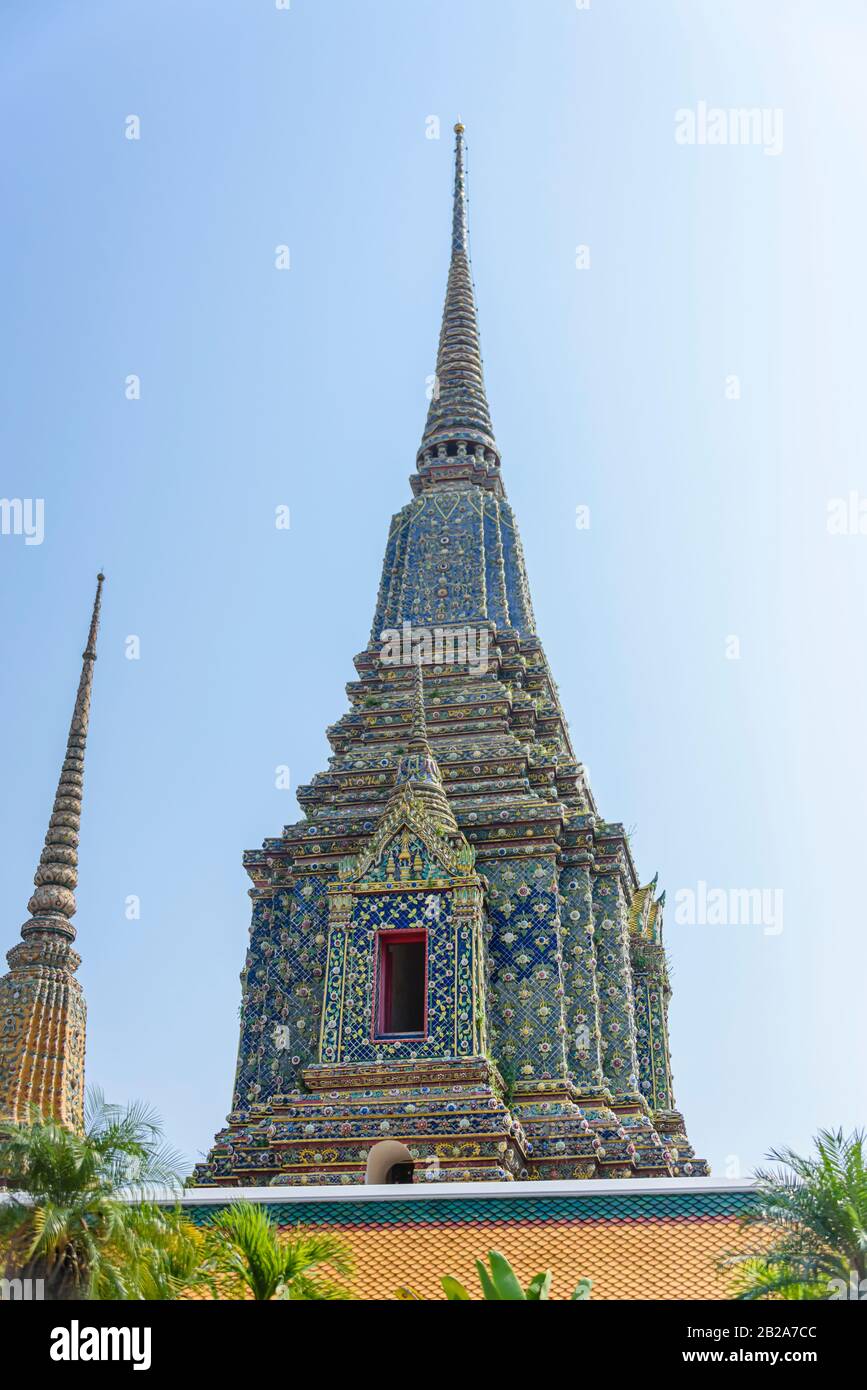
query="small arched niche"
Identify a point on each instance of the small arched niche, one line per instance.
(388, 1162)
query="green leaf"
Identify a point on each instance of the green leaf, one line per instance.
(540, 1287)
(505, 1279)
(488, 1289)
(454, 1291)
(581, 1292)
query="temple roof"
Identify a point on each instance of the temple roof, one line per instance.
(639, 1238)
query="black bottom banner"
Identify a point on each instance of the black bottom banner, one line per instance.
(82, 1339)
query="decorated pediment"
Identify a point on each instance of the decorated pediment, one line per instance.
(405, 858)
(407, 848)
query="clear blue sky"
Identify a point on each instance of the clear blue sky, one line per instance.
(307, 127)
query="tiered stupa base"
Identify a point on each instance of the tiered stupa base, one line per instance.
(448, 1116)
(450, 1122)
(575, 1136)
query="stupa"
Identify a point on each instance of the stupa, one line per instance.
(454, 972)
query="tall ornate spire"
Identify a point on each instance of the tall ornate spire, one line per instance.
(42, 1009)
(53, 902)
(458, 440)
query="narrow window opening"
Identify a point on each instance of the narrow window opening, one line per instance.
(402, 958)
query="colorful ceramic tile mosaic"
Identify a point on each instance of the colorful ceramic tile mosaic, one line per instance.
(451, 868)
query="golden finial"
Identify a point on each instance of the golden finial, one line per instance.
(459, 127)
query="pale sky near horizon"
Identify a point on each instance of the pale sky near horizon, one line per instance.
(611, 387)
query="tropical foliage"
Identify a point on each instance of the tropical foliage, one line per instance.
(814, 1209)
(500, 1284)
(251, 1259)
(76, 1213)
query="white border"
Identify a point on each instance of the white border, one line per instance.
(450, 1191)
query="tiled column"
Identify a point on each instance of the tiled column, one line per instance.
(579, 975)
(340, 916)
(526, 976)
(471, 1028)
(281, 987)
(651, 1018)
(613, 965)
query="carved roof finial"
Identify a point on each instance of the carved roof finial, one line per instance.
(418, 739)
(418, 770)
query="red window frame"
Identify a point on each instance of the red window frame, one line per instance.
(382, 983)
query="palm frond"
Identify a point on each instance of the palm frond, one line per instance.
(812, 1212)
(249, 1250)
(77, 1202)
